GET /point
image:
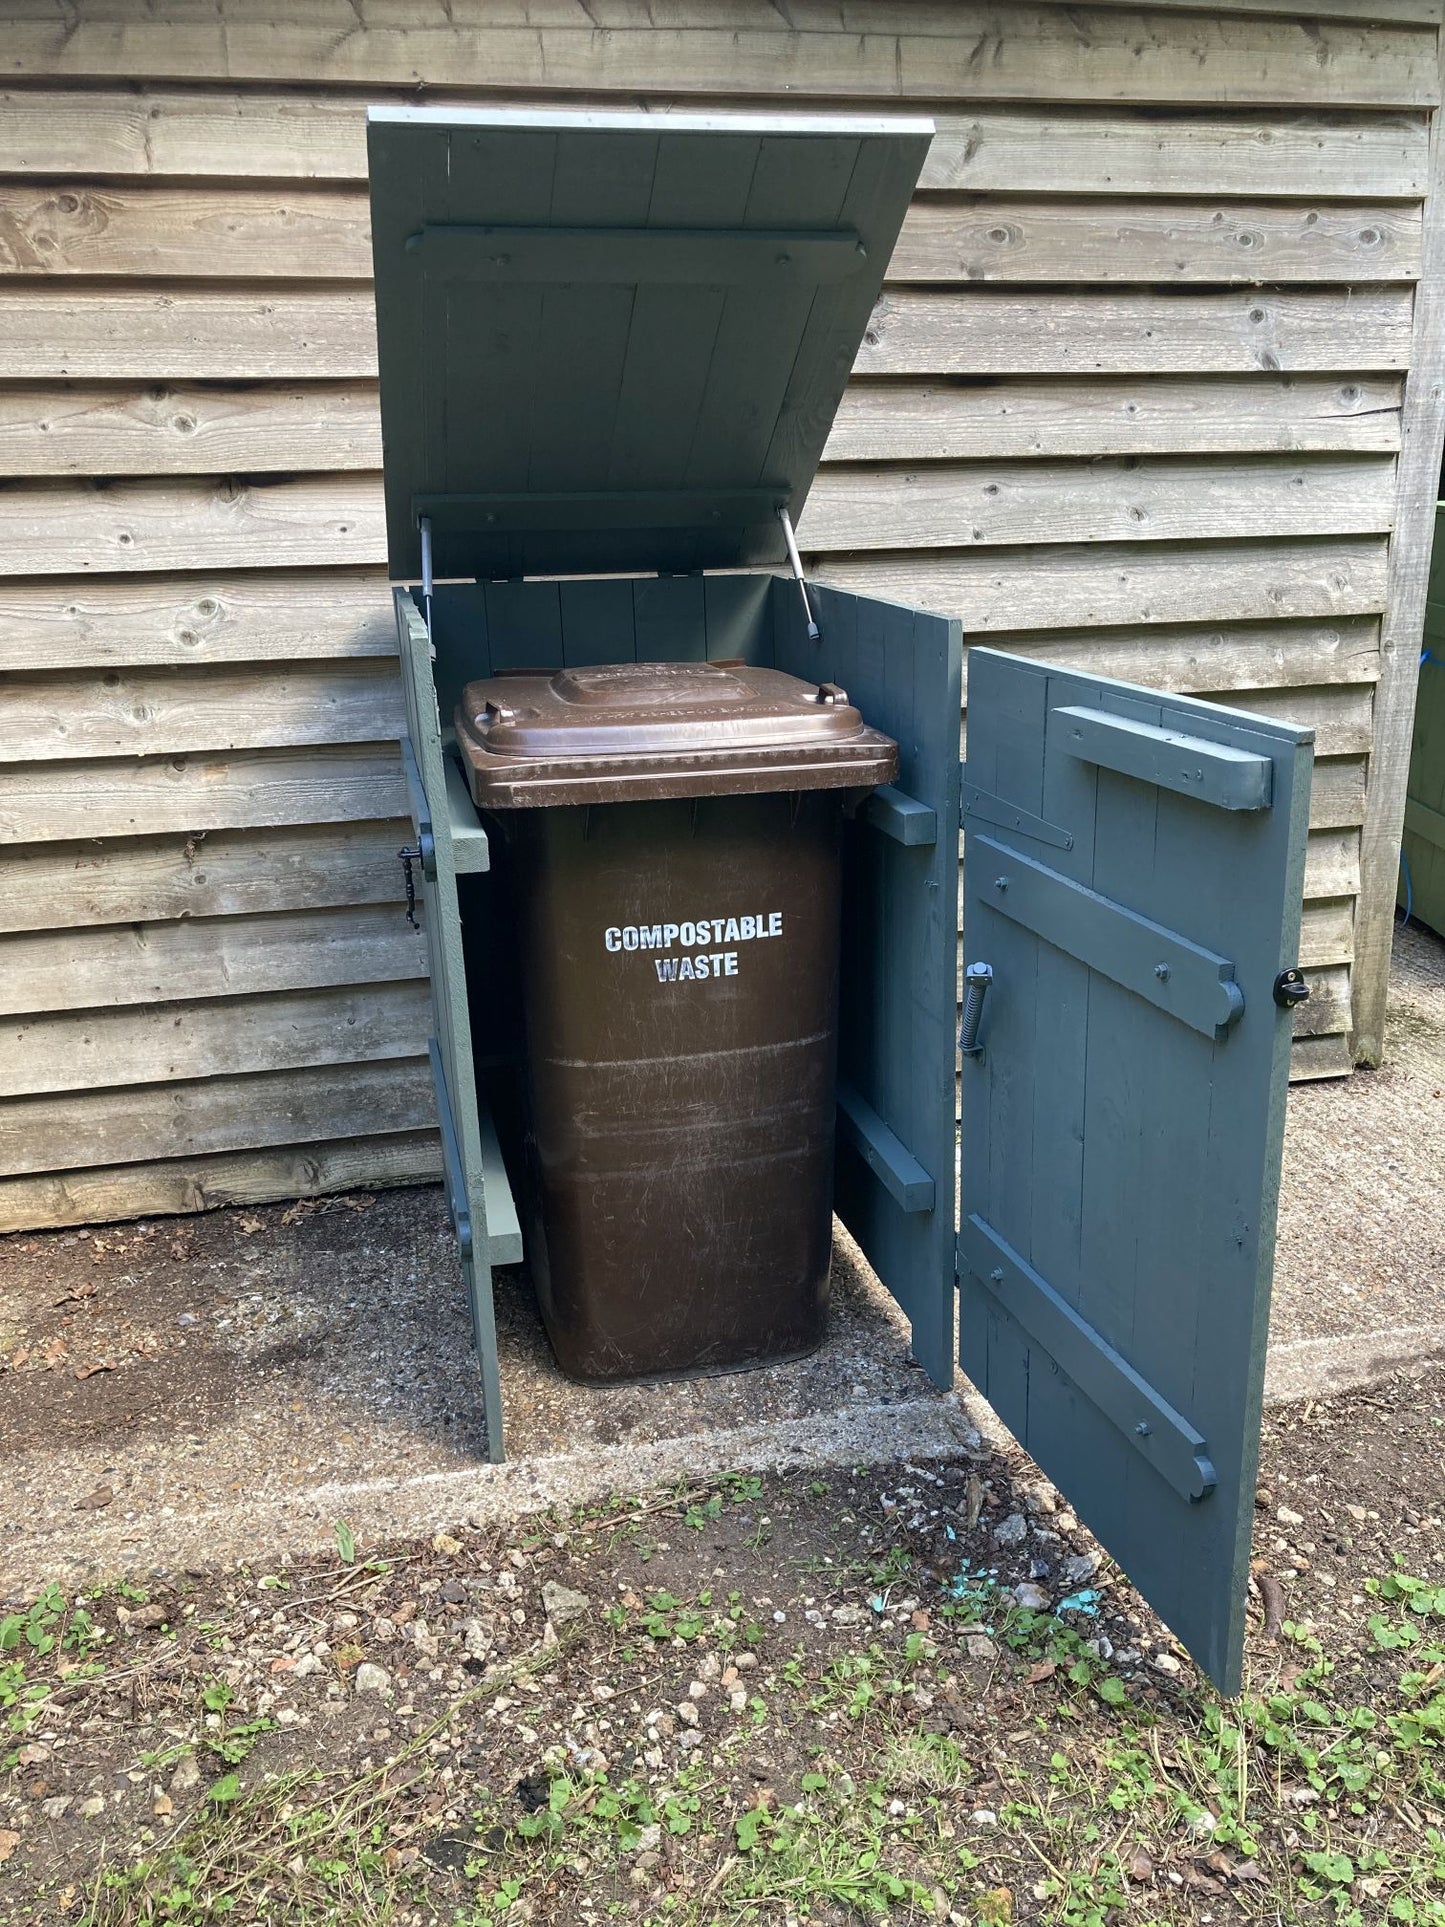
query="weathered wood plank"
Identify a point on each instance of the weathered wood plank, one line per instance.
(297, 231)
(938, 421)
(88, 428)
(203, 1184)
(1419, 482)
(154, 963)
(87, 1050)
(1154, 499)
(1332, 863)
(253, 134)
(934, 52)
(1337, 794)
(155, 1121)
(1189, 659)
(1425, 12)
(998, 150)
(220, 873)
(198, 333)
(163, 712)
(1234, 332)
(190, 619)
(1328, 1009)
(1340, 715)
(1008, 238)
(187, 333)
(64, 528)
(62, 802)
(1105, 585)
(1327, 933)
(1317, 1057)
(235, 233)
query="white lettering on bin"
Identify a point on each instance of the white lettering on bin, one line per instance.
(695, 936)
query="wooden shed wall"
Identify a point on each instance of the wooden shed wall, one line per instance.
(1132, 399)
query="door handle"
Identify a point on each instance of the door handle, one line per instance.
(976, 979)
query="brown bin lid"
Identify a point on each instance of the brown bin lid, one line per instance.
(642, 731)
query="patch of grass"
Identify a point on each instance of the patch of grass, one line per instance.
(49, 1628)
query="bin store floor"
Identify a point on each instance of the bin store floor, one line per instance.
(180, 1391)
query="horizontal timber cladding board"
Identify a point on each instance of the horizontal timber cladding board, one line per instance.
(231, 135)
(1339, 715)
(151, 712)
(903, 420)
(1194, 657)
(204, 1184)
(1111, 499)
(1104, 585)
(1332, 863)
(94, 428)
(221, 1037)
(154, 963)
(60, 802)
(1327, 933)
(1234, 331)
(998, 238)
(180, 332)
(174, 620)
(240, 233)
(151, 526)
(61, 528)
(907, 51)
(1328, 1008)
(151, 1121)
(1317, 1057)
(89, 428)
(1337, 793)
(220, 873)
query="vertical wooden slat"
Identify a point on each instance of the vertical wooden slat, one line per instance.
(1423, 436)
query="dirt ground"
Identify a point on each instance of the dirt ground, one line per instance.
(185, 1389)
(910, 1692)
(826, 1646)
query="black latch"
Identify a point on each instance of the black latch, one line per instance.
(1290, 989)
(407, 858)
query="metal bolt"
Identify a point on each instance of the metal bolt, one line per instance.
(1162, 972)
(1000, 883)
(1143, 1428)
(997, 1274)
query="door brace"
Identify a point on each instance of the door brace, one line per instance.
(884, 1152)
(1218, 773)
(1185, 980)
(979, 806)
(1157, 1432)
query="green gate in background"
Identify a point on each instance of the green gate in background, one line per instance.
(1422, 872)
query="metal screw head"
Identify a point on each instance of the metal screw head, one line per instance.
(1143, 1428)
(1000, 883)
(1162, 972)
(997, 1274)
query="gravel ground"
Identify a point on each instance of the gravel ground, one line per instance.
(1360, 1269)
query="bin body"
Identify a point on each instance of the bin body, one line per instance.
(679, 966)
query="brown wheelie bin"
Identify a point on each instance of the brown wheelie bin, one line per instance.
(672, 835)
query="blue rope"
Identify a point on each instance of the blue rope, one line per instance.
(1409, 887)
